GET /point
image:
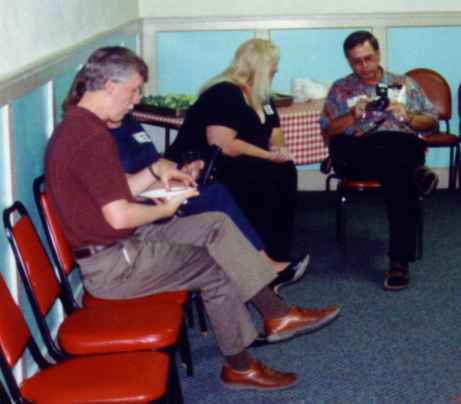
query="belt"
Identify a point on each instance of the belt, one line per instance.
(90, 250)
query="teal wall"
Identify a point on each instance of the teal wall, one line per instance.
(3, 192)
(437, 48)
(186, 60)
(310, 53)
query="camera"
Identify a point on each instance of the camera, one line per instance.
(381, 101)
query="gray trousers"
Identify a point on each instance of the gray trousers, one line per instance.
(205, 253)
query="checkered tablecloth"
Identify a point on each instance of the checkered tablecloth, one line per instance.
(299, 122)
(301, 127)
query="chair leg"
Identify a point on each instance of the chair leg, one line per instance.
(201, 313)
(419, 231)
(340, 215)
(451, 168)
(174, 392)
(190, 313)
(457, 166)
(184, 350)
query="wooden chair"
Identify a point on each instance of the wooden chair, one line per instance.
(438, 91)
(134, 377)
(88, 330)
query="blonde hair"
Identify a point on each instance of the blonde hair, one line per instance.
(251, 68)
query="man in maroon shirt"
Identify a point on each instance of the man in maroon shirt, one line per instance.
(127, 249)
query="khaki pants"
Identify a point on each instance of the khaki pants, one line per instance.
(205, 253)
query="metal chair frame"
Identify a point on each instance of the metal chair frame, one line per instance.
(55, 351)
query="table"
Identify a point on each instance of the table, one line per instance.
(299, 122)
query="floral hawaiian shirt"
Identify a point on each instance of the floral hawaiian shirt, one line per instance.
(346, 92)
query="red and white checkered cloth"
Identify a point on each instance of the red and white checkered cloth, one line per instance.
(301, 127)
(299, 122)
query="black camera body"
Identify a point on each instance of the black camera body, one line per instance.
(381, 102)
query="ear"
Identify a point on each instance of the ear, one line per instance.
(109, 86)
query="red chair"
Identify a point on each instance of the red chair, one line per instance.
(134, 377)
(438, 91)
(93, 330)
(65, 264)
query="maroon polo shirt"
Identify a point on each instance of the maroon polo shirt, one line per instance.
(83, 173)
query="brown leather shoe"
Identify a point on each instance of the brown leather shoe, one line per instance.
(298, 321)
(257, 377)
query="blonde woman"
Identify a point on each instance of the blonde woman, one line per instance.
(235, 112)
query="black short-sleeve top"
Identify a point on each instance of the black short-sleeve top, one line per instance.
(223, 104)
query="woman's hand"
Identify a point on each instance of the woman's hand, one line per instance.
(280, 155)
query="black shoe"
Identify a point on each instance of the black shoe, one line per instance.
(292, 273)
(397, 279)
(426, 180)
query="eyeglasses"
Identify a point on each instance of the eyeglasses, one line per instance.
(364, 60)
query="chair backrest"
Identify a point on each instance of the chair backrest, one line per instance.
(60, 248)
(37, 273)
(459, 108)
(436, 89)
(15, 337)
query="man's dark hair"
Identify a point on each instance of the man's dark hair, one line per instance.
(359, 38)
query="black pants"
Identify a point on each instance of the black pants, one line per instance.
(391, 158)
(266, 193)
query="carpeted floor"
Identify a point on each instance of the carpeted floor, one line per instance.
(386, 347)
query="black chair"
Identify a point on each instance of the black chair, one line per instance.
(344, 190)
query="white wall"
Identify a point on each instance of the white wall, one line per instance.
(35, 29)
(181, 8)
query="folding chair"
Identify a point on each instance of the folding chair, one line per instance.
(65, 264)
(134, 377)
(93, 330)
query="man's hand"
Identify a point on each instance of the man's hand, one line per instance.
(168, 173)
(399, 112)
(358, 112)
(193, 168)
(172, 204)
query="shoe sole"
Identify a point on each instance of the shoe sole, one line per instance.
(235, 386)
(395, 288)
(306, 330)
(296, 278)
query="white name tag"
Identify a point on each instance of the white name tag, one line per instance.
(142, 137)
(268, 109)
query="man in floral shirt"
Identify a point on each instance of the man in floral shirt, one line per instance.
(373, 121)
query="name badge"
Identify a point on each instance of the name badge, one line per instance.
(142, 137)
(268, 109)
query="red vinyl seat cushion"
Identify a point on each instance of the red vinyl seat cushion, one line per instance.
(135, 377)
(104, 330)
